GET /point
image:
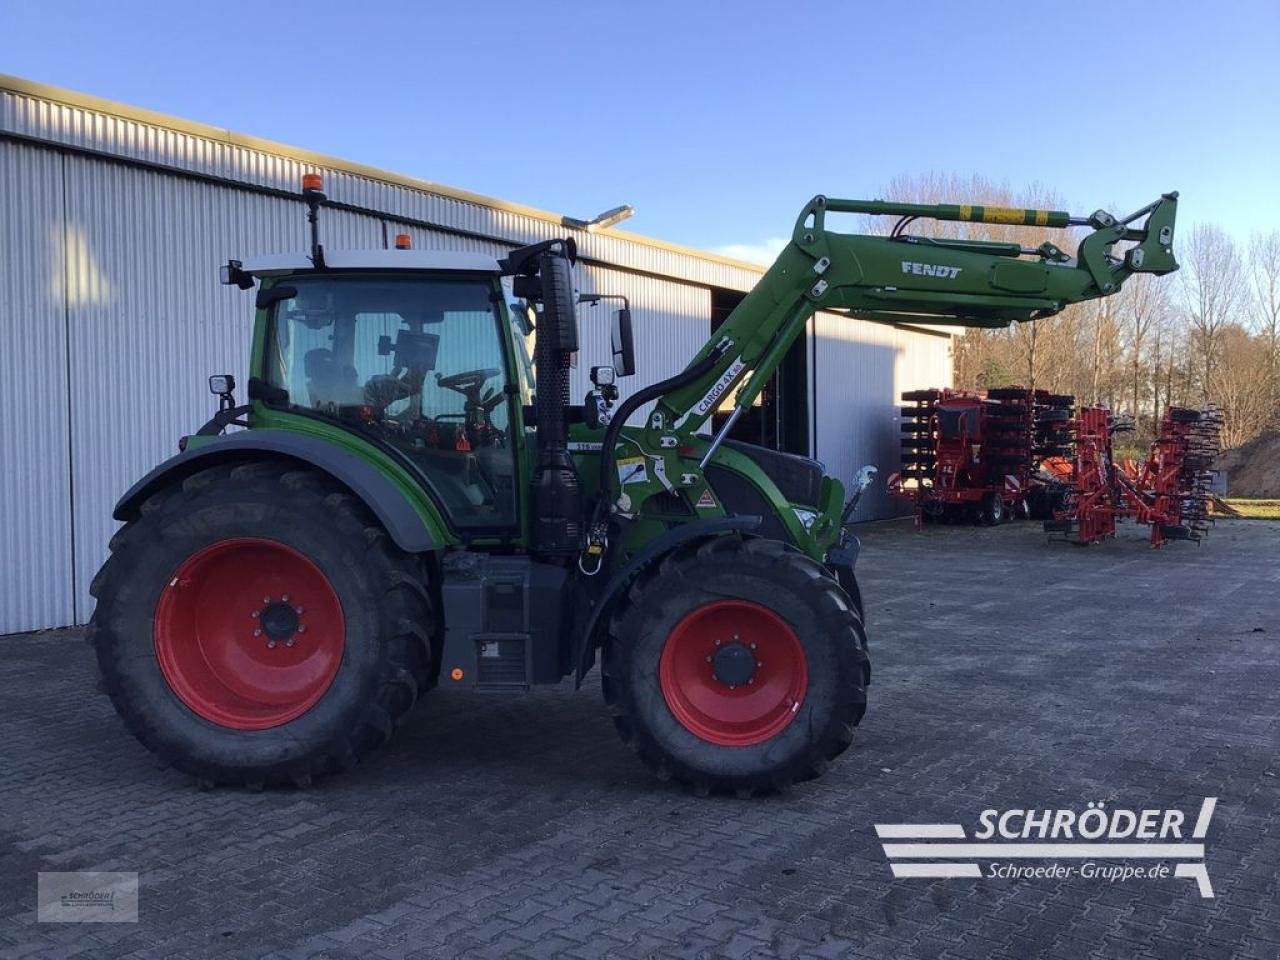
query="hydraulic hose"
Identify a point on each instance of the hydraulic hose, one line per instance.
(608, 451)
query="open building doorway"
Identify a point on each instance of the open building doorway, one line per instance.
(779, 419)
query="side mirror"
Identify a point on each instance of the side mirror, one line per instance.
(624, 348)
(559, 324)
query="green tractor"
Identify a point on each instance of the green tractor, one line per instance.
(415, 503)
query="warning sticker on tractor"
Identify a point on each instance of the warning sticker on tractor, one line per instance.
(632, 470)
(706, 501)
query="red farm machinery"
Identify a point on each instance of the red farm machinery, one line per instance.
(981, 457)
(973, 457)
(1169, 491)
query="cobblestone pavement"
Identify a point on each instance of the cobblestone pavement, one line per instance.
(1008, 673)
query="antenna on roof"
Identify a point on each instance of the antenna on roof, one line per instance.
(313, 194)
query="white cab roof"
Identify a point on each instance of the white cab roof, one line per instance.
(281, 263)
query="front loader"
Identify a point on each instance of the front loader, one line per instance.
(412, 501)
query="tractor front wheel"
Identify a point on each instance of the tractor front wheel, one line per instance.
(736, 665)
(255, 626)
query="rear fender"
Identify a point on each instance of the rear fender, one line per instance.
(407, 527)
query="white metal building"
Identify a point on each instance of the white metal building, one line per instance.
(113, 223)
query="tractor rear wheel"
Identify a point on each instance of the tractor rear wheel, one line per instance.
(736, 665)
(256, 626)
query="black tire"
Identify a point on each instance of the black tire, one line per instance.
(1053, 416)
(917, 443)
(1064, 400)
(992, 510)
(1007, 393)
(909, 395)
(909, 426)
(1183, 415)
(789, 585)
(386, 656)
(1037, 503)
(1006, 411)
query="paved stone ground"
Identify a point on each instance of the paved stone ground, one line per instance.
(1009, 673)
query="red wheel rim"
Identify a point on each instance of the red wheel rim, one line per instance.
(249, 633)
(720, 705)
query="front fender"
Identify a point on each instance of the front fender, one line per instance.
(409, 530)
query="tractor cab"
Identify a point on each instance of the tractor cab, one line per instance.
(415, 353)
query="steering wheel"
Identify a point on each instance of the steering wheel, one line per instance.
(479, 402)
(467, 383)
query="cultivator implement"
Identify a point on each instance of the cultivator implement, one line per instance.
(1093, 497)
(1170, 491)
(1177, 476)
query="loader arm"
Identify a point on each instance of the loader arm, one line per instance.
(907, 278)
(894, 278)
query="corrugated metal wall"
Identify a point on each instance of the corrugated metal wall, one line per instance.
(111, 318)
(220, 154)
(858, 373)
(35, 494)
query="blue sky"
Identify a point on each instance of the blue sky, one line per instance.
(715, 120)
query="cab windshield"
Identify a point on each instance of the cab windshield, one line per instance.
(416, 363)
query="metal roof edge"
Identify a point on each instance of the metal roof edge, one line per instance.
(125, 111)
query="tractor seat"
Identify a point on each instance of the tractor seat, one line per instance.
(329, 381)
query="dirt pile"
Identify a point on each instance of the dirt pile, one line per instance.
(1253, 469)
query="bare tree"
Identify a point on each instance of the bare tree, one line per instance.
(1264, 271)
(1240, 385)
(1105, 347)
(1144, 306)
(1212, 286)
